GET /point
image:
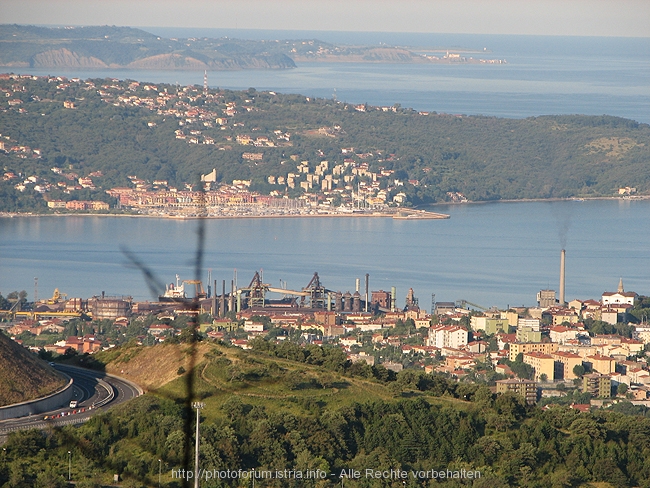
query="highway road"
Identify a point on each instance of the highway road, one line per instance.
(94, 391)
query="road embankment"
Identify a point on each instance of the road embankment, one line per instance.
(39, 405)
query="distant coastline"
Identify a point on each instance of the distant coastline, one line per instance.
(417, 213)
(525, 200)
(110, 48)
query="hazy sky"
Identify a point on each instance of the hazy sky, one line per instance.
(543, 17)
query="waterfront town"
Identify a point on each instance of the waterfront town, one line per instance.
(357, 182)
(594, 347)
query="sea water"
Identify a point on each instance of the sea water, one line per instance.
(495, 254)
(489, 254)
(542, 75)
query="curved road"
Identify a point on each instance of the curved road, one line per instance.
(94, 390)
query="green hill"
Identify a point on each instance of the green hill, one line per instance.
(223, 373)
(22, 375)
(286, 408)
(161, 132)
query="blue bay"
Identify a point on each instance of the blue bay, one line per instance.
(490, 254)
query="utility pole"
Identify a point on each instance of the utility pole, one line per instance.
(198, 406)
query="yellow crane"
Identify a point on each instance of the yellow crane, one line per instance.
(198, 288)
(57, 296)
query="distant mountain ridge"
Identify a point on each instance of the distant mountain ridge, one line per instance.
(100, 47)
(110, 47)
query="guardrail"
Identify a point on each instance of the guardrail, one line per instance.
(74, 418)
(109, 397)
(39, 405)
(44, 424)
(86, 372)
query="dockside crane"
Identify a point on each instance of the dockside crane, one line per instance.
(57, 296)
(199, 292)
(463, 304)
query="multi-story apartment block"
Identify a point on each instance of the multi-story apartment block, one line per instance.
(565, 362)
(526, 389)
(447, 336)
(597, 385)
(525, 347)
(543, 365)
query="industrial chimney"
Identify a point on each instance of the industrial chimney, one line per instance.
(367, 297)
(562, 260)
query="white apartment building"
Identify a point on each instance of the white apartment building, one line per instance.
(447, 336)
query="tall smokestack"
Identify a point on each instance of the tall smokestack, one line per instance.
(214, 300)
(222, 300)
(367, 297)
(562, 260)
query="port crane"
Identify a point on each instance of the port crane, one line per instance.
(57, 296)
(462, 303)
(199, 292)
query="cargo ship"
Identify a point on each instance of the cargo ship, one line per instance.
(176, 292)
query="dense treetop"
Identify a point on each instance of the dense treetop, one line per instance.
(278, 408)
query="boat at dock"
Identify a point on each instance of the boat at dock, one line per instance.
(174, 293)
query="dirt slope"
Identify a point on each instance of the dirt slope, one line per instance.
(22, 375)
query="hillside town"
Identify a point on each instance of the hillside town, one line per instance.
(355, 182)
(544, 353)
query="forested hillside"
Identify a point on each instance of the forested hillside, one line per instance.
(164, 132)
(283, 407)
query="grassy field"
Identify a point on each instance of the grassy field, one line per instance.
(221, 374)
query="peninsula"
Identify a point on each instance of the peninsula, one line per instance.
(115, 146)
(110, 47)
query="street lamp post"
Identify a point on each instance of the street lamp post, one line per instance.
(198, 406)
(159, 471)
(69, 465)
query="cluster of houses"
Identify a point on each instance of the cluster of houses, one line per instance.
(88, 343)
(323, 183)
(236, 197)
(563, 350)
(322, 192)
(551, 339)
